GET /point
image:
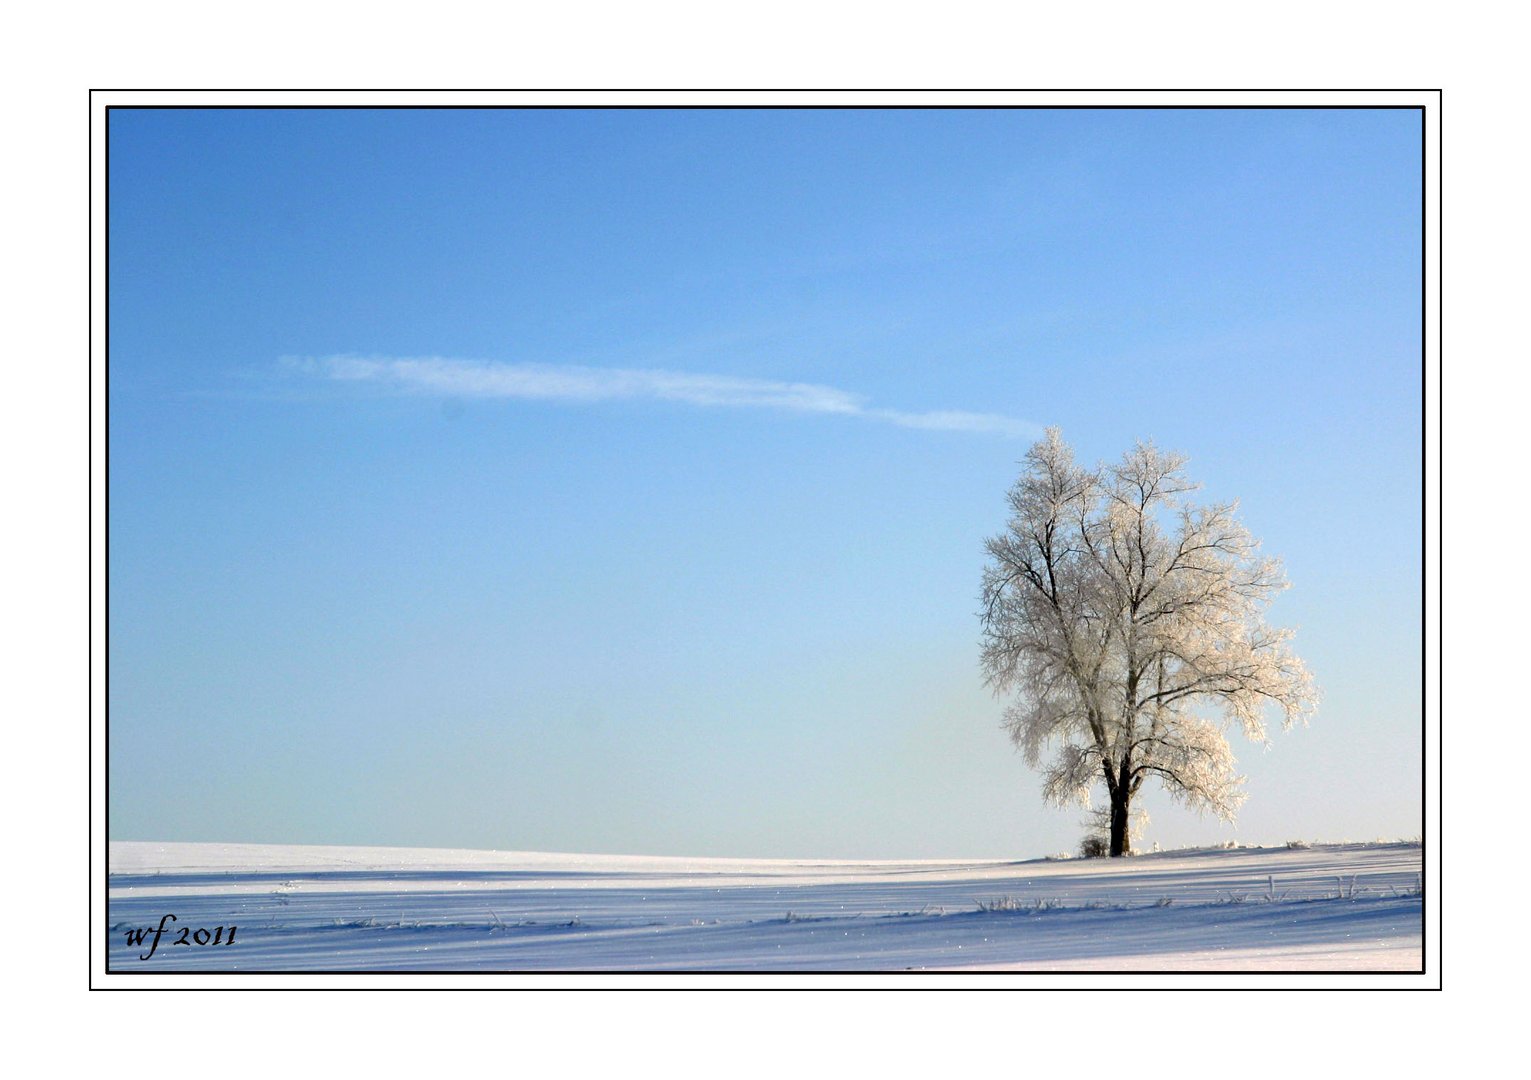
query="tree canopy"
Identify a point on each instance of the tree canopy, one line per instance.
(1128, 623)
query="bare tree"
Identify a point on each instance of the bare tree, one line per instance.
(1129, 624)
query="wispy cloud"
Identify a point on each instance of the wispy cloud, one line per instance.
(545, 382)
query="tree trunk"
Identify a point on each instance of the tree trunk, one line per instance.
(1121, 843)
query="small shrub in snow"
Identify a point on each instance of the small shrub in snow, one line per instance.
(1298, 845)
(1094, 846)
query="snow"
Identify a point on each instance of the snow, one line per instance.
(1350, 907)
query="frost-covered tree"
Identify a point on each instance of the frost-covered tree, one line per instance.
(1129, 624)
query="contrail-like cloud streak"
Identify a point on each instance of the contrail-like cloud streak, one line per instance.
(545, 382)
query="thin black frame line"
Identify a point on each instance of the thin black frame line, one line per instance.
(1424, 291)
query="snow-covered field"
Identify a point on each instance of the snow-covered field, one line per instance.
(1350, 907)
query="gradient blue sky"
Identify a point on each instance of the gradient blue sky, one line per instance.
(536, 596)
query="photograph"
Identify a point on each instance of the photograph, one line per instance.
(786, 536)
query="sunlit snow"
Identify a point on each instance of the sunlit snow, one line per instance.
(1349, 907)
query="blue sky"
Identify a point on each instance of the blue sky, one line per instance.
(617, 481)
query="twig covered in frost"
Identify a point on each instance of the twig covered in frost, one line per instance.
(1015, 903)
(1346, 892)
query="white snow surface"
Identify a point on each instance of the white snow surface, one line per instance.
(1342, 907)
